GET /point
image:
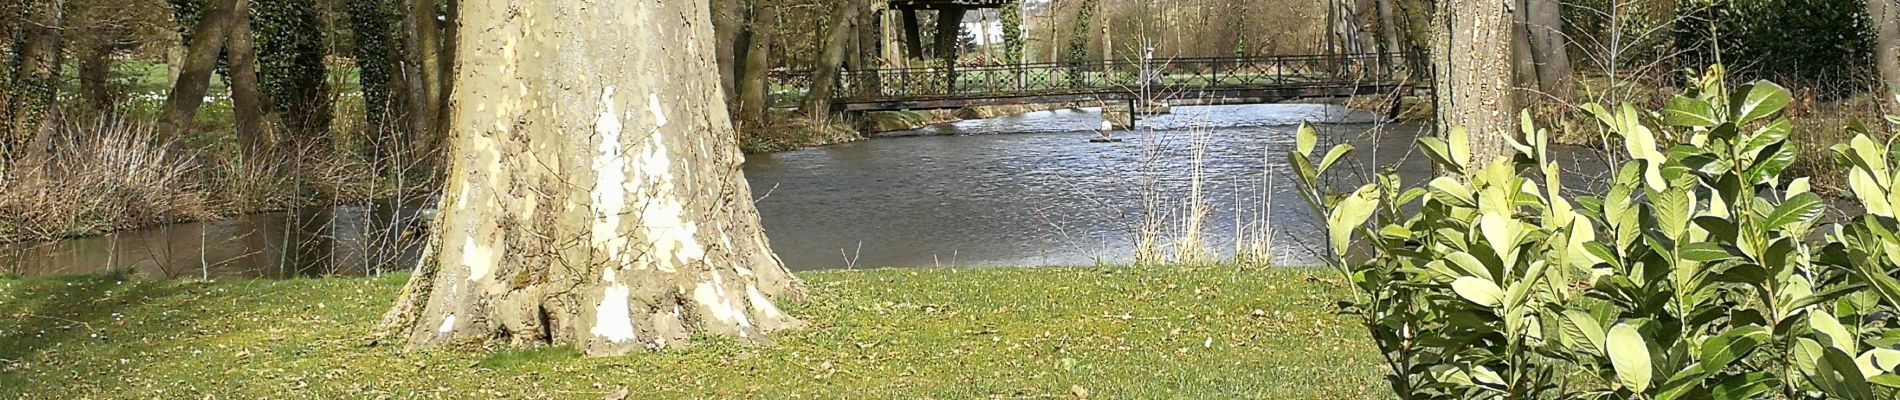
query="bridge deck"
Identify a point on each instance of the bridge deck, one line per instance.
(1232, 80)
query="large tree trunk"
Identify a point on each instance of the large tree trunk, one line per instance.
(1550, 47)
(752, 85)
(824, 77)
(34, 82)
(1473, 76)
(194, 77)
(1886, 14)
(594, 194)
(250, 107)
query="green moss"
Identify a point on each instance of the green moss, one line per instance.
(1014, 333)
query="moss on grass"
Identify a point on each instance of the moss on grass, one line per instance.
(997, 333)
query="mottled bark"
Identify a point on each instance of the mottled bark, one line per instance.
(752, 89)
(194, 76)
(249, 106)
(831, 56)
(1473, 77)
(1886, 14)
(594, 194)
(33, 84)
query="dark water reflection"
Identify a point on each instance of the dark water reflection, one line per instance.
(1022, 190)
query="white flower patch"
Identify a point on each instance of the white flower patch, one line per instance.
(613, 319)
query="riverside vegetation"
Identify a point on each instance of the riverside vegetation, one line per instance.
(1702, 272)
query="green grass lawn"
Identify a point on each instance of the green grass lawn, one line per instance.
(999, 333)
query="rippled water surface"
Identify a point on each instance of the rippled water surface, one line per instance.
(1021, 190)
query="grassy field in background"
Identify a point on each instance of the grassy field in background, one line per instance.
(1110, 333)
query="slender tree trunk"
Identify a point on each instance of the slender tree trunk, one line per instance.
(194, 76)
(418, 58)
(729, 27)
(95, 71)
(1886, 14)
(34, 81)
(824, 80)
(1388, 27)
(752, 85)
(1523, 55)
(1473, 76)
(250, 106)
(1550, 47)
(445, 68)
(647, 240)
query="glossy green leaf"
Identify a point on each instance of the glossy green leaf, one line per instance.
(1480, 291)
(1689, 112)
(1802, 208)
(1759, 100)
(1629, 354)
(1306, 139)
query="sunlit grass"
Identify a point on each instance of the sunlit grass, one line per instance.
(1114, 332)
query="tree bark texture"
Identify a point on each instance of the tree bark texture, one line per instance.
(752, 84)
(194, 77)
(824, 77)
(33, 84)
(1550, 46)
(729, 26)
(1473, 74)
(594, 194)
(250, 106)
(1886, 16)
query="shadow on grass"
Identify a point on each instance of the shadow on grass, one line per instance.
(40, 314)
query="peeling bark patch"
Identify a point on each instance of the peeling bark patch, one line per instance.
(659, 113)
(613, 319)
(711, 294)
(610, 192)
(448, 325)
(478, 259)
(663, 215)
(766, 309)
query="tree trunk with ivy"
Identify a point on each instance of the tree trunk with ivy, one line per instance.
(290, 49)
(33, 82)
(594, 194)
(250, 106)
(1472, 53)
(371, 24)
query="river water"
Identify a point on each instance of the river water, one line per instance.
(1028, 190)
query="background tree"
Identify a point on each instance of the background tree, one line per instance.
(290, 45)
(1886, 14)
(594, 194)
(839, 31)
(33, 84)
(1473, 77)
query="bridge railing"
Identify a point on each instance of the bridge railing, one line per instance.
(1160, 76)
